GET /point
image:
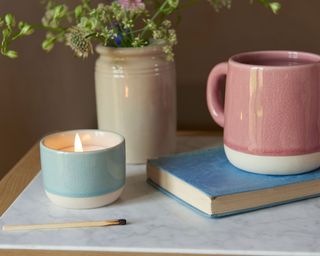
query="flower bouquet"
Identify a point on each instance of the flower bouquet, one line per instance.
(135, 74)
(121, 23)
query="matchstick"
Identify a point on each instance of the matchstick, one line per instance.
(86, 224)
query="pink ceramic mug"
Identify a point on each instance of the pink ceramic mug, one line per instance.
(271, 116)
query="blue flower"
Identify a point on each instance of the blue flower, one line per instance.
(118, 39)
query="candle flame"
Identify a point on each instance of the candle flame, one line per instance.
(77, 144)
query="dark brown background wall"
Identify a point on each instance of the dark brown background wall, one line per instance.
(41, 93)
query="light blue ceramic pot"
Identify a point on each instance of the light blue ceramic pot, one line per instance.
(88, 179)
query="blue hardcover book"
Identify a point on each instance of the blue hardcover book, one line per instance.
(206, 181)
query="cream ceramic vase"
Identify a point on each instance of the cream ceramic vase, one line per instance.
(136, 97)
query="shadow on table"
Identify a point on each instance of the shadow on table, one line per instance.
(137, 189)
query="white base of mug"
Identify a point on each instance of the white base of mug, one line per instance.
(84, 202)
(273, 165)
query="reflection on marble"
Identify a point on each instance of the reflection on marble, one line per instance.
(159, 224)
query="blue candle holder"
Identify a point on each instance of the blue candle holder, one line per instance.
(88, 179)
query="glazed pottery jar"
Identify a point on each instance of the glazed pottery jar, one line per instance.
(136, 97)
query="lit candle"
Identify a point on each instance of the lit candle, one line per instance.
(83, 168)
(78, 147)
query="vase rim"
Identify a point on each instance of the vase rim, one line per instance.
(130, 51)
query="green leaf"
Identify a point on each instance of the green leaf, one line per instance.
(93, 23)
(11, 54)
(9, 19)
(85, 23)
(173, 3)
(275, 7)
(78, 11)
(5, 40)
(48, 44)
(5, 33)
(21, 24)
(26, 30)
(58, 11)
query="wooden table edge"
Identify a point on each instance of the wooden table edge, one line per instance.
(16, 180)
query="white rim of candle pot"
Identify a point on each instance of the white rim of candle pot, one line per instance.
(80, 131)
(86, 202)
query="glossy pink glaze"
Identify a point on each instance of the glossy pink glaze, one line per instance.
(215, 107)
(272, 103)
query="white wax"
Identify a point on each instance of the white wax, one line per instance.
(86, 148)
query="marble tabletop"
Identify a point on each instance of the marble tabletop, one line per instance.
(160, 224)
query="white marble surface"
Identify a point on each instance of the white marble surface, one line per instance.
(160, 224)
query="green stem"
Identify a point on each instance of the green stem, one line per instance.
(16, 36)
(130, 29)
(136, 31)
(40, 26)
(154, 17)
(95, 34)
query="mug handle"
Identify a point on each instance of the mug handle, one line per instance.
(214, 105)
